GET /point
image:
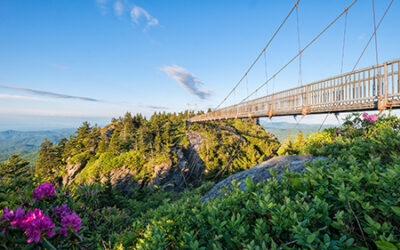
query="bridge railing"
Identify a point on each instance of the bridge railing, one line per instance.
(376, 87)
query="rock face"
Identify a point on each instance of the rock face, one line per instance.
(188, 170)
(261, 173)
(71, 171)
(123, 179)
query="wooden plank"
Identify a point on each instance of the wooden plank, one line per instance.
(392, 74)
(386, 82)
(364, 90)
(398, 77)
(369, 82)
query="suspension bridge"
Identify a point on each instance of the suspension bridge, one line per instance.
(373, 88)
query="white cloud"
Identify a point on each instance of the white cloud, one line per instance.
(137, 13)
(118, 8)
(187, 80)
(50, 94)
(42, 112)
(24, 98)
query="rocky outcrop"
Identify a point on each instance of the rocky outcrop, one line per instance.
(195, 140)
(261, 173)
(195, 165)
(166, 177)
(108, 131)
(71, 170)
(187, 170)
(122, 178)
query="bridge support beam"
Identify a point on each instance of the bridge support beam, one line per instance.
(256, 121)
(383, 102)
(188, 124)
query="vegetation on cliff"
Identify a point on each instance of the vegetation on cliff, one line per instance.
(351, 200)
(140, 145)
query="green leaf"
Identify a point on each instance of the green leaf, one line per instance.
(349, 242)
(249, 183)
(311, 238)
(384, 245)
(48, 245)
(396, 210)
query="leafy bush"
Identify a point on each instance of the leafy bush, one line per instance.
(350, 200)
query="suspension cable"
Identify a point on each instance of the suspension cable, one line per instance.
(365, 48)
(322, 124)
(376, 40)
(247, 85)
(341, 66)
(306, 47)
(266, 69)
(299, 45)
(344, 42)
(259, 55)
(373, 34)
(295, 126)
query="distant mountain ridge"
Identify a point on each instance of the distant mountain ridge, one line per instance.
(27, 143)
(283, 129)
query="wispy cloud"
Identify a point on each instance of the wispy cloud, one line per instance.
(102, 4)
(24, 98)
(58, 66)
(138, 13)
(154, 107)
(50, 94)
(187, 80)
(48, 112)
(118, 8)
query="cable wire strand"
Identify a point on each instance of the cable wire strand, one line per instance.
(299, 45)
(376, 40)
(344, 42)
(362, 53)
(266, 69)
(369, 41)
(341, 66)
(306, 47)
(259, 55)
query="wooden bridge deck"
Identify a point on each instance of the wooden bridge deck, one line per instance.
(373, 88)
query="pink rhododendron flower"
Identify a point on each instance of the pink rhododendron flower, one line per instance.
(61, 211)
(13, 218)
(35, 223)
(44, 190)
(373, 118)
(338, 131)
(19, 216)
(70, 222)
(370, 118)
(7, 214)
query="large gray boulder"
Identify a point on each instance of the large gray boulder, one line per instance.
(261, 173)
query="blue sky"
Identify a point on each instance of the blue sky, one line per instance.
(63, 62)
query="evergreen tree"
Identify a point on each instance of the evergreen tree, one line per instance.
(13, 168)
(50, 161)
